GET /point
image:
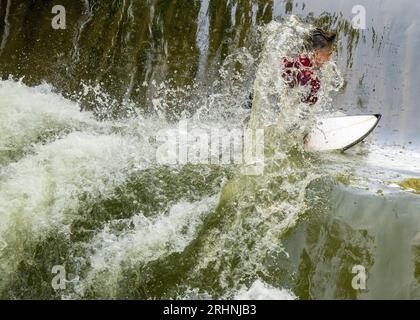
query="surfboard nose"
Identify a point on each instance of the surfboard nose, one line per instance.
(378, 115)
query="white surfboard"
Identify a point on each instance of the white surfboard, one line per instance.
(340, 133)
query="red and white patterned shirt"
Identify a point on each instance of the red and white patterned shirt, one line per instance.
(301, 72)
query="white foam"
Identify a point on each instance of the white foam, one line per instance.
(52, 179)
(149, 238)
(42, 192)
(262, 291)
(28, 112)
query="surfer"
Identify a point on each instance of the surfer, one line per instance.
(301, 71)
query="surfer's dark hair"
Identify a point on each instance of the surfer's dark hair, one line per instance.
(320, 39)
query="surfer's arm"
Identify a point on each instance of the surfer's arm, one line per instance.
(289, 74)
(312, 98)
(300, 73)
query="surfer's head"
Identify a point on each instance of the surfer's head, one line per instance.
(322, 45)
